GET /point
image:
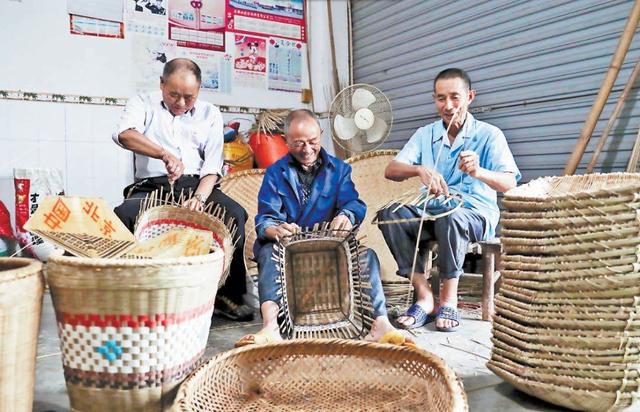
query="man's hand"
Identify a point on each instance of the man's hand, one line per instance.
(194, 203)
(282, 230)
(173, 164)
(469, 162)
(434, 180)
(341, 222)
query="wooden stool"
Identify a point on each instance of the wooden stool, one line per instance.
(490, 251)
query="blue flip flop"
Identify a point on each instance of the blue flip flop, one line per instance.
(449, 313)
(419, 315)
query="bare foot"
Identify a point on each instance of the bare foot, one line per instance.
(264, 335)
(383, 331)
(380, 326)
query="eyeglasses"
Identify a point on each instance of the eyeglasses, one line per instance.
(300, 144)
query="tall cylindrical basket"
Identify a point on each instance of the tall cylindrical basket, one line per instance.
(131, 329)
(21, 289)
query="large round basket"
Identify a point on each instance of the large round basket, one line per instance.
(131, 329)
(323, 375)
(21, 288)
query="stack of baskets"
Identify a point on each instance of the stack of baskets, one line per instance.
(567, 327)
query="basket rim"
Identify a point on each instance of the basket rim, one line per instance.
(25, 267)
(136, 262)
(316, 345)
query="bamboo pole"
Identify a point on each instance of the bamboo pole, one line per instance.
(632, 166)
(605, 89)
(614, 116)
(339, 151)
(308, 26)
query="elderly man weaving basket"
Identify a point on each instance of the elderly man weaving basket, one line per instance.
(306, 187)
(456, 153)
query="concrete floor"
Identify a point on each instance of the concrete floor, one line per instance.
(465, 351)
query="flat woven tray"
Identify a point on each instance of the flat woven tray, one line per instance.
(323, 375)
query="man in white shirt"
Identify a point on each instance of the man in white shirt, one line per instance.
(177, 144)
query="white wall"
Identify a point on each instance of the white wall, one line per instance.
(39, 55)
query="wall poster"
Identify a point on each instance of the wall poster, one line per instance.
(267, 18)
(197, 23)
(285, 65)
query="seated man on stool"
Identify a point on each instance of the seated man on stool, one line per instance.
(177, 144)
(473, 157)
(306, 187)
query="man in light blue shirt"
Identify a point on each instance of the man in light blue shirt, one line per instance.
(454, 154)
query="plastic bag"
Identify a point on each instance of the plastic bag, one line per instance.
(32, 185)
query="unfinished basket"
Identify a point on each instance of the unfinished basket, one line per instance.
(243, 187)
(156, 220)
(323, 375)
(131, 329)
(324, 285)
(567, 325)
(21, 289)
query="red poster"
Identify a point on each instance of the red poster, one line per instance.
(197, 23)
(281, 18)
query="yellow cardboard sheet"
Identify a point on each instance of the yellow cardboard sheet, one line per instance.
(81, 225)
(174, 243)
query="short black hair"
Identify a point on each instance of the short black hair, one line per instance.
(175, 65)
(299, 114)
(453, 73)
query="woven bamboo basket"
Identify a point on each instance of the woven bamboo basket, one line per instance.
(562, 188)
(567, 324)
(577, 247)
(609, 233)
(323, 375)
(243, 187)
(374, 189)
(21, 289)
(564, 394)
(156, 220)
(324, 285)
(581, 361)
(592, 232)
(131, 329)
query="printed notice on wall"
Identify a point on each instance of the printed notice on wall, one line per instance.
(88, 26)
(267, 18)
(285, 65)
(197, 23)
(147, 17)
(98, 9)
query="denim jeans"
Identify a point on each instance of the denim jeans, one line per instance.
(270, 290)
(452, 232)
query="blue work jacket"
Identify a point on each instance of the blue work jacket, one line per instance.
(279, 198)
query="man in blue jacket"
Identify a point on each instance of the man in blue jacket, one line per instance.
(305, 187)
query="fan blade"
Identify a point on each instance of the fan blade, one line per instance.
(345, 127)
(377, 131)
(362, 98)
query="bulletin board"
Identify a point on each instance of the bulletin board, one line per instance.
(252, 53)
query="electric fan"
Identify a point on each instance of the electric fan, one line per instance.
(360, 117)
